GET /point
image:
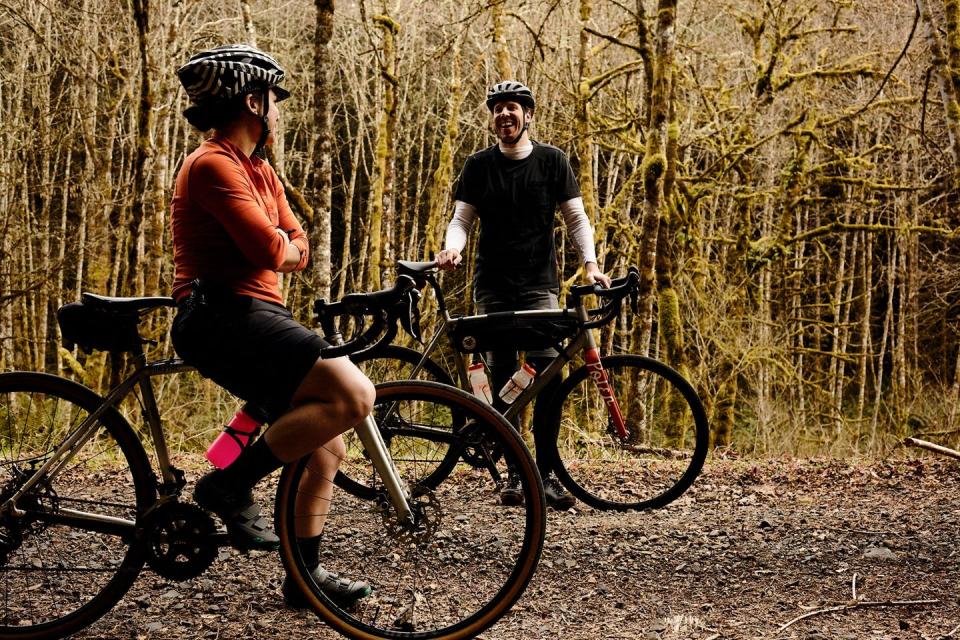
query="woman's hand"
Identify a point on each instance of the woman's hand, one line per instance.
(449, 259)
(291, 256)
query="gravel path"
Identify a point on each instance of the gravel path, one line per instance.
(753, 546)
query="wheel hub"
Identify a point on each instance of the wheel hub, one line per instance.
(427, 516)
(41, 498)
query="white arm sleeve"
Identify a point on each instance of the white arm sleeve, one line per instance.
(578, 229)
(459, 228)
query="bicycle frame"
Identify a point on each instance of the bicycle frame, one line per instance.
(583, 342)
(367, 431)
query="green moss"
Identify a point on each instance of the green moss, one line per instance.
(670, 330)
(723, 414)
(387, 23)
(653, 168)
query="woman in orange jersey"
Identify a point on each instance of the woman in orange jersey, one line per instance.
(233, 233)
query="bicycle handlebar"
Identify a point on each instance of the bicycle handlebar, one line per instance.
(383, 306)
(616, 288)
(375, 305)
(613, 296)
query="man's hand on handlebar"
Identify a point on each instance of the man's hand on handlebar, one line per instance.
(594, 275)
(449, 259)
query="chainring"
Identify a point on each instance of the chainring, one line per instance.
(479, 452)
(180, 540)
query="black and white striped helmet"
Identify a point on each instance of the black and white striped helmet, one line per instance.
(228, 71)
(510, 90)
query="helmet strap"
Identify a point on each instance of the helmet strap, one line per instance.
(522, 131)
(265, 130)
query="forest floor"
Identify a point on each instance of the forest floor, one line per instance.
(865, 550)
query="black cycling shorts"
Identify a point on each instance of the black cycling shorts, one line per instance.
(252, 348)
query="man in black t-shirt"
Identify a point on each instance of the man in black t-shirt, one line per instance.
(515, 188)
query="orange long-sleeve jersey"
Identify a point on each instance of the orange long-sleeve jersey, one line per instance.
(225, 213)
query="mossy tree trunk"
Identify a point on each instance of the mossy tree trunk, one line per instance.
(381, 197)
(946, 71)
(442, 180)
(584, 139)
(499, 37)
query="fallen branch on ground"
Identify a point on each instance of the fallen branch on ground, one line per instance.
(936, 448)
(855, 605)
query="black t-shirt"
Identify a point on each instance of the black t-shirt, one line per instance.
(516, 201)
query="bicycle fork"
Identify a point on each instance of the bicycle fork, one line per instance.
(599, 377)
(376, 448)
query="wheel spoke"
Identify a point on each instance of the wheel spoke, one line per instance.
(67, 558)
(464, 542)
(665, 445)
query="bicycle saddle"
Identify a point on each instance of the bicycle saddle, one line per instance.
(408, 268)
(127, 305)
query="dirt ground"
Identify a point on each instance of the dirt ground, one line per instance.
(865, 551)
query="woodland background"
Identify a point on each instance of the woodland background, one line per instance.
(784, 172)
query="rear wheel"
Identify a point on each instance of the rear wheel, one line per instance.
(430, 458)
(665, 447)
(73, 552)
(464, 561)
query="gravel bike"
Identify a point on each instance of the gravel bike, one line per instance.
(632, 433)
(83, 510)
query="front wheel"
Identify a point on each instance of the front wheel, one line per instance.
(463, 561)
(666, 443)
(73, 550)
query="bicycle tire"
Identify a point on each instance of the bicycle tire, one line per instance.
(459, 570)
(663, 454)
(432, 458)
(109, 475)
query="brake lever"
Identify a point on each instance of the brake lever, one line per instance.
(410, 315)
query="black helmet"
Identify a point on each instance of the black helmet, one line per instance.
(510, 90)
(229, 71)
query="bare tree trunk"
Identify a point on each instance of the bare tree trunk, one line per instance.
(866, 342)
(140, 216)
(346, 257)
(323, 167)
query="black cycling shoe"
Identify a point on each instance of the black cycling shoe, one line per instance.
(557, 497)
(343, 592)
(511, 494)
(246, 528)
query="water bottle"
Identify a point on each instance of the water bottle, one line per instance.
(238, 433)
(517, 383)
(479, 382)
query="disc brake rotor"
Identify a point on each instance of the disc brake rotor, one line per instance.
(427, 517)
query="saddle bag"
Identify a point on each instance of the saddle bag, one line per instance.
(96, 329)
